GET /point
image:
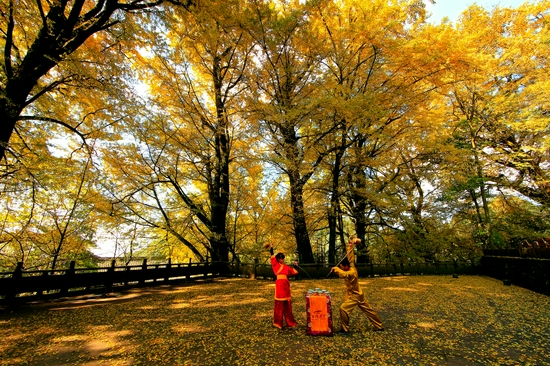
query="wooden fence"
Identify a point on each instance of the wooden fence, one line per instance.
(320, 271)
(530, 273)
(24, 286)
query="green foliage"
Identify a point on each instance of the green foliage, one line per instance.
(517, 220)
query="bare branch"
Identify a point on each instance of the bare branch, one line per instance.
(53, 120)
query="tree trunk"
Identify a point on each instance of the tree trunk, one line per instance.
(482, 190)
(332, 220)
(12, 102)
(301, 234)
(359, 206)
(219, 186)
(334, 215)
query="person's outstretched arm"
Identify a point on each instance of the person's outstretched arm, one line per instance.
(351, 255)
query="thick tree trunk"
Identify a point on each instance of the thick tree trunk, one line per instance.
(299, 220)
(6, 128)
(218, 240)
(334, 207)
(359, 207)
(361, 230)
(12, 103)
(297, 182)
(219, 187)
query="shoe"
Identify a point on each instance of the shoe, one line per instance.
(277, 326)
(378, 330)
(343, 333)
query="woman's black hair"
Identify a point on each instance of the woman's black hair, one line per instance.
(345, 262)
(280, 256)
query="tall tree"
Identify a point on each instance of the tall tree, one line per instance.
(497, 106)
(373, 89)
(284, 102)
(195, 74)
(54, 216)
(38, 36)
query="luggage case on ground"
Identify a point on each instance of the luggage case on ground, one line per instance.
(319, 313)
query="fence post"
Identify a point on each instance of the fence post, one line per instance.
(69, 274)
(40, 292)
(110, 276)
(455, 268)
(143, 272)
(18, 271)
(206, 267)
(506, 281)
(168, 269)
(126, 275)
(189, 270)
(16, 277)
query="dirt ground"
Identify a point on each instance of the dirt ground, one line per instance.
(428, 320)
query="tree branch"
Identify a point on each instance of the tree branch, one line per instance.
(9, 42)
(53, 120)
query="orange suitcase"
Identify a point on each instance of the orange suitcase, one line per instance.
(319, 313)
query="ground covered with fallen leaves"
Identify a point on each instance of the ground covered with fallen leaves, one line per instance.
(429, 320)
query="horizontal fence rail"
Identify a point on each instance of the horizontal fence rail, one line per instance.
(319, 271)
(25, 286)
(21, 285)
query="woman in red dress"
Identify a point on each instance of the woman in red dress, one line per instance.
(283, 299)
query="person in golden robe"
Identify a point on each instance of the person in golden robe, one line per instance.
(283, 299)
(354, 296)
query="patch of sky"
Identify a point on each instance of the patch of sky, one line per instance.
(452, 9)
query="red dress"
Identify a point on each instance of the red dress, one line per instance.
(283, 299)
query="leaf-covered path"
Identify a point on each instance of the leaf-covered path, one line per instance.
(429, 320)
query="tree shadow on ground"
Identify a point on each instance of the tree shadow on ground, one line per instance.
(429, 320)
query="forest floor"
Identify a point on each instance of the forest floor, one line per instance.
(428, 320)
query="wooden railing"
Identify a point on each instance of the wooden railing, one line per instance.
(21, 285)
(319, 271)
(530, 273)
(24, 286)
